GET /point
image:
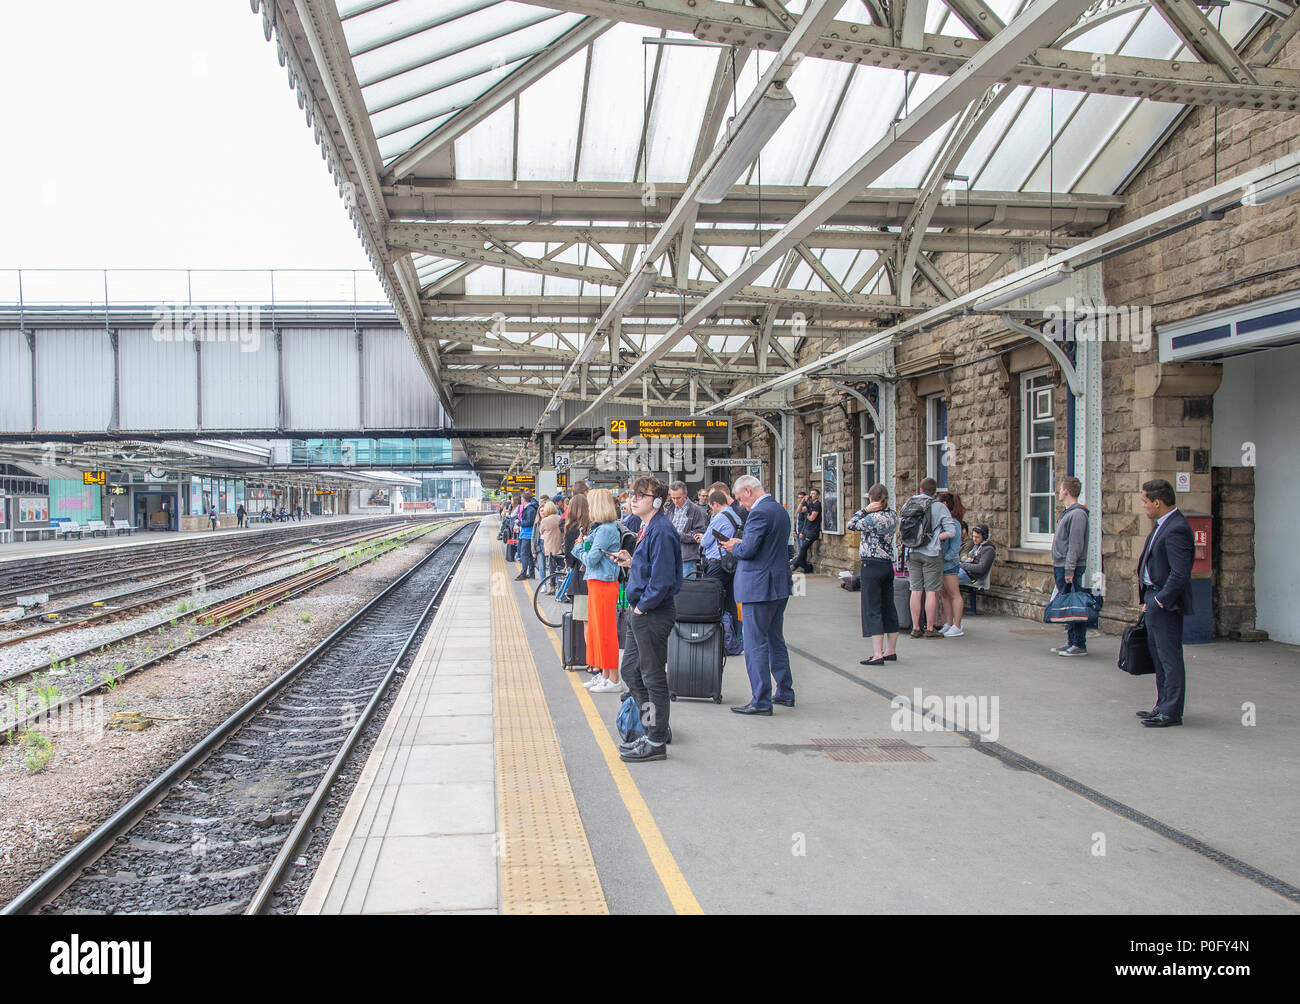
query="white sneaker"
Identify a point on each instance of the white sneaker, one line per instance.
(953, 632)
(944, 630)
(593, 681)
(607, 687)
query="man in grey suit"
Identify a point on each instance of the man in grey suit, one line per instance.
(762, 587)
(1164, 574)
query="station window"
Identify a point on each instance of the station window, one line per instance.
(1037, 451)
(868, 458)
(937, 451)
(815, 452)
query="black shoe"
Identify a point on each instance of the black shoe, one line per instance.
(1146, 714)
(1161, 721)
(632, 743)
(643, 751)
(520, 578)
(749, 709)
(872, 662)
(892, 658)
(785, 701)
(624, 696)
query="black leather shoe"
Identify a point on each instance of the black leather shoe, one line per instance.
(1161, 721)
(520, 578)
(892, 658)
(749, 709)
(1146, 714)
(872, 662)
(785, 701)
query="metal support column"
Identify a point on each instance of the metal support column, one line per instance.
(1087, 449)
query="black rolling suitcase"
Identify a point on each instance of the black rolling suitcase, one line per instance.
(695, 659)
(573, 639)
(903, 603)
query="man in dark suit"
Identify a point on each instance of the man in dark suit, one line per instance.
(1164, 574)
(762, 587)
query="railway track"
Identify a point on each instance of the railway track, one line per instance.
(61, 575)
(215, 832)
(165, 639)
(104, 608)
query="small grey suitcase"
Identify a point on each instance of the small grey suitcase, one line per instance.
(573, 635)
(695, 659)
(903, 603)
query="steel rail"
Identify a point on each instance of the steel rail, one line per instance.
(68, 868)
(314, 805)
(52, 709)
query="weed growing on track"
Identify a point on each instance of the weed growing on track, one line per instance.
(305, 618)
(48, 693)
(38, 751)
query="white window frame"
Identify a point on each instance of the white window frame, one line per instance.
(868, 446)
(815, 452)
(1041, 540)
(935, 446)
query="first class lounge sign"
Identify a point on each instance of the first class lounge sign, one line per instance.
(709, 431)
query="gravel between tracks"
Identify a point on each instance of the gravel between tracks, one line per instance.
(92, 774)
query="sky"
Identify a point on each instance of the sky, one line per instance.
(155, 135)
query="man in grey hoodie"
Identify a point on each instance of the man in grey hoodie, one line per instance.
(1069, 548)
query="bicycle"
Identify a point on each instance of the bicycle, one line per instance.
(551, 604)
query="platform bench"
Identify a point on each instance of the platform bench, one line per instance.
(65, 528)
(97, 526)
(121, 526)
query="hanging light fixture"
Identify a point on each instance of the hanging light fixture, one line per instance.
(745, 144)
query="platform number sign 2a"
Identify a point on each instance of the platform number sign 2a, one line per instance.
(561, 460)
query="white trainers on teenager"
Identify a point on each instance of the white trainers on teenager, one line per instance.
(607, 687)
(953, 631)
(593, 681)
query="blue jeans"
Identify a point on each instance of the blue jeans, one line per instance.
(688, 569)
(1076, 633)
(525, 554)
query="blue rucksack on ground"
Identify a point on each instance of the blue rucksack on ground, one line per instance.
(732, 641)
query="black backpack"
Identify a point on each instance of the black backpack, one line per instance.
(914, 526)
(729, 562)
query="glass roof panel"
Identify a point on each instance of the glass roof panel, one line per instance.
(611, 137)
(487, 150)
(391, 147)
(384, 24)
(872, 102)
(685, 74)
(548, 122)
(816, 85)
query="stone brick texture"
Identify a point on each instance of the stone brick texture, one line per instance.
(1150, 410)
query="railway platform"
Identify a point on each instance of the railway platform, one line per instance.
(1030, 787)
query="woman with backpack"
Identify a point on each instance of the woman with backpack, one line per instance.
(876, 524)
(594, 548)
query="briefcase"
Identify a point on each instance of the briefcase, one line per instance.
(1134, 656)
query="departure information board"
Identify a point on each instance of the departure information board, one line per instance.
(709, 431)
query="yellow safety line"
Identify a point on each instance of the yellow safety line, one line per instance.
(670, 875)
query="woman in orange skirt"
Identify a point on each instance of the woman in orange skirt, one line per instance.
(593, 550)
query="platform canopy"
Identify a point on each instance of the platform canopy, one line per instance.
(656, 203)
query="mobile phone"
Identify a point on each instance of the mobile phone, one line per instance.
(609, 554)
(719, 535)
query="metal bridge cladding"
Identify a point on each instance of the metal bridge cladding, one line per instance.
(212, 369)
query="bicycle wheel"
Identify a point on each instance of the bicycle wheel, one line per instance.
(550, 610)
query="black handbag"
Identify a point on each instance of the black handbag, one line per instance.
(1134, 656)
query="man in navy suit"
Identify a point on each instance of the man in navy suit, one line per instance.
(762, 587)
(1164, 574)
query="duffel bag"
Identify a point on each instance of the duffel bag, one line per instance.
(700, 601)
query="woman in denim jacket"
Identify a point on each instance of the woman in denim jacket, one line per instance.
(602, 590)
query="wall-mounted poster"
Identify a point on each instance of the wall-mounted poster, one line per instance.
(33, 510)
(831, 493)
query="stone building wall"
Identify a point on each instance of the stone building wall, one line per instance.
(1156, 420)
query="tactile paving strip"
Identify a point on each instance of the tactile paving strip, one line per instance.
(545, 861)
